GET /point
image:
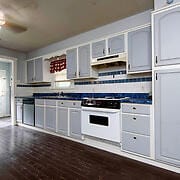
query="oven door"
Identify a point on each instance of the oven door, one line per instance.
(102, 123)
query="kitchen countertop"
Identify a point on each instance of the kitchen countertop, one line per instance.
(79, 97)
(137, 101)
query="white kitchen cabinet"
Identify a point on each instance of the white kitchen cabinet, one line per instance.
(167, 37)
(50, 118)
(39, 116)
(164, 3)
(139, 50)
(99, 49)
(167, 121)
(78, 63)
(75, 122)
(71, 56)
(135, 130)
(116, 45)
(38, 71)
(19, 111)
(62, 120)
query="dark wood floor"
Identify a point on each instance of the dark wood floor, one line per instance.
(28, 154)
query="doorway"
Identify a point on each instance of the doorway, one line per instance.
(6, 91)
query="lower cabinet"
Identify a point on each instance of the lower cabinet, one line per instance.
(75, 122)
(39, 116)
(62, 120)
(136, 129)
(136, 143)
(50, 118)
(167, 116)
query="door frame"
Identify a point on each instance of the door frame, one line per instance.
(13, 62)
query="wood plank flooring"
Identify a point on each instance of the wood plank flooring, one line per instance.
(30, 155)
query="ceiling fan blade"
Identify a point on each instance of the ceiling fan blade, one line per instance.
(15, 27)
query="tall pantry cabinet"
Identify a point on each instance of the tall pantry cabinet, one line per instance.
(166, 70)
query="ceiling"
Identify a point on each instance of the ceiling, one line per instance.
(49, 21)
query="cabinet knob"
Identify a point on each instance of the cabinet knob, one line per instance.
(74, 104)
(61, 102)
(109, 50)
(75, 73)
(134, 108)
(134, 118)
(134, 137)
(79, 73)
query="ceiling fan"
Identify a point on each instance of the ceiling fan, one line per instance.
(10, 25)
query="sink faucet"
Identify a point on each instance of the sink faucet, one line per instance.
(61, 94)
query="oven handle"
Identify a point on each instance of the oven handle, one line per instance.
(100, 110)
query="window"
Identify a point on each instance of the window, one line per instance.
(61, 81)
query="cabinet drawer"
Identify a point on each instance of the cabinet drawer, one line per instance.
(136, 124)
(39, 101)
(50, 102)
(136, 143)
(136, 109)
(71, 104)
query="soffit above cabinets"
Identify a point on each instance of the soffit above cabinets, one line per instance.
(51, 21)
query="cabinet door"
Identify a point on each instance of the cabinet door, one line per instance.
(30, 71)
(167, 37)
(39, 70)
(84, 61)
(75, 122)
(167, 116)
(99, 49)
(50, 120)
(19, 112)
(72, 63)
(39, 116)
(116, 45)
(139, 50)
(62, 120)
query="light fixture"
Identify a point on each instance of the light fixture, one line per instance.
(2, 18)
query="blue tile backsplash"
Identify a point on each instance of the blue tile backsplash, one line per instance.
(143, 79)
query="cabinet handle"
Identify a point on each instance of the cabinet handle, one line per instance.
(129, 66)
(134, 108)
(75, 73)
(109, 50)
(103, 51)
(134, 118)
(79, 73)
(156, 60)
(62, 103)
(134, 138)
(74, 104)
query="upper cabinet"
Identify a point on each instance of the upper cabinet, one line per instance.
(167, 37)
(116, 45)
(38, 71)
(99, 49)
(164, 3)
(78, 63)
(139, 50)
(84, 61)
(71, 56)
(111, 46)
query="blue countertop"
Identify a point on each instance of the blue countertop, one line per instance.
(138, 98)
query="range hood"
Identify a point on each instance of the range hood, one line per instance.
(110, 59)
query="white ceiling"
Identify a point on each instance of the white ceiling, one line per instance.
(49, 21)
